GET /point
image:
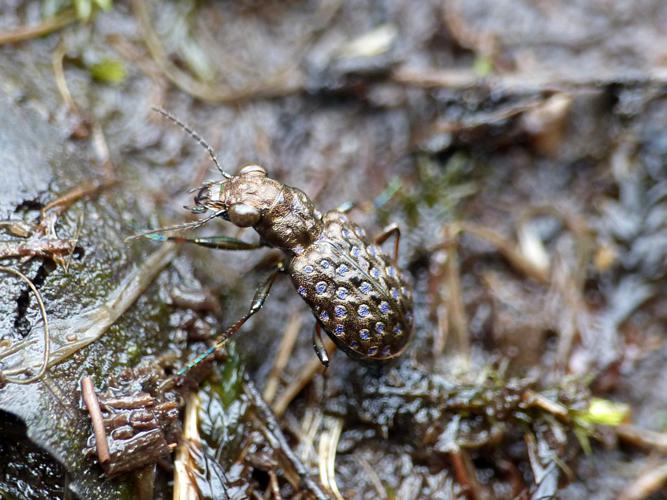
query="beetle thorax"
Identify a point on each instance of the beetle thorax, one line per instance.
(287, 217)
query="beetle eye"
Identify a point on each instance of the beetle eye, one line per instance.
(243, 215)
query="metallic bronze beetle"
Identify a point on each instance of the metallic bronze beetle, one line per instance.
(356, 292)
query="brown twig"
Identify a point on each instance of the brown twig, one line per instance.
(93, 406)
(284, 352)
(465, 473)
(648, 483)
(508, 250)
(86, 188)
(514, 83)
(61, 81)
(643, 438)
(305, 377)
(36, 247)
(327, 455)
(456, 307)
(44, 28)
(537, 400)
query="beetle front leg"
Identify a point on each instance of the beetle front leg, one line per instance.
(216, 242)
(258, 300)
(318, 345)
(388, 232)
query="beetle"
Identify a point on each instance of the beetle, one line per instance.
(356, 292)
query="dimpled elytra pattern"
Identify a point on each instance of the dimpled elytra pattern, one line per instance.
(355, 291)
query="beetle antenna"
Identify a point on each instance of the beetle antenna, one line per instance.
(195, 136)
(155, 233)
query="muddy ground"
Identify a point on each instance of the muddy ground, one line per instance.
(520, 145)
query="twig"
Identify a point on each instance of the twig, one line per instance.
(507, 249)
(36, 247)
(457, 314)
(284, 352)
(305, 377)
(373, 477)
(59, 74)
(44, 28)
(47, 337)
(465, 473)
(646, 484)
(93, 406)
(537, 400)
(103, 153)
(275, 487)
(644, 438)
(264, 411)
(86, 188)
(184, 489)
(528, 83)
(327, 456)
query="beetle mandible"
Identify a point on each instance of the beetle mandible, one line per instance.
(356, 292)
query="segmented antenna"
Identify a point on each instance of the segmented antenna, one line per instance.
(186, 225)
(195, 136)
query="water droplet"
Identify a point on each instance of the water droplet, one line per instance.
(363, 310)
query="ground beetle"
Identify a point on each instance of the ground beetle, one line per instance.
(356, 292)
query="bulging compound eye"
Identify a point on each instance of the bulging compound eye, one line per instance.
(253, 170)
(243, 215)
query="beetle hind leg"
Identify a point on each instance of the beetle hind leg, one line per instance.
(258, 300)
(388, 232)
(318, 345)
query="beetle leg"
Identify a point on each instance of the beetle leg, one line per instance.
(318, 345)
(389, 231)
(258, 300)
(217, 242)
